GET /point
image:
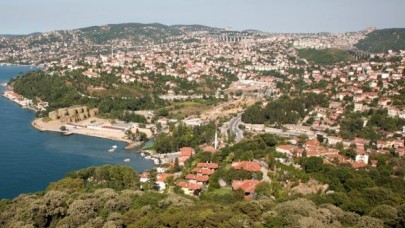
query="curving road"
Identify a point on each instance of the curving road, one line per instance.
(233, 126)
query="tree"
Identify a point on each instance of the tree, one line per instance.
(263, 189)
(386, 213)
(176, 166)
(312, 164)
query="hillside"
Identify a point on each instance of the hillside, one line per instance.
(383, 40)
(325, 56)
(137, 32)
(133, 31)
(110, 196)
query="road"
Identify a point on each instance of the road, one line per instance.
(233, 126)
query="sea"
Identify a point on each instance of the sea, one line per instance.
(30, 160)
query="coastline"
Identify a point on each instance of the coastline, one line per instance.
(16, 64)
(38, 124)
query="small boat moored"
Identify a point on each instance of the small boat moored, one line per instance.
(127, 160)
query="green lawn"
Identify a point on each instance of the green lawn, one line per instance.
(222, 191)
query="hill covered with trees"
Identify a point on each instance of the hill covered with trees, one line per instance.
(285, 110)
(325, 56)
(383, 40)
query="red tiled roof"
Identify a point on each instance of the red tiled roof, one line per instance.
(162, 177)
(357, 165)
(248, 186)
(208, 165)
(312, 152)
(208, 149)
(247, 165)
(204, 171)
(186, 151)
(312, 143)
(191, 186)
(199, 178)
(287, 147)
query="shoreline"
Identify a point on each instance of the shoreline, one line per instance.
(16, 64)
(130, 144)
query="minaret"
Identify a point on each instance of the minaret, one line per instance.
(216, 140)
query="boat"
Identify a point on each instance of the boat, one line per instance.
(114, 147)
(111, 150)
(127, 160)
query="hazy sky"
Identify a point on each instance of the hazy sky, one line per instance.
(27, 16)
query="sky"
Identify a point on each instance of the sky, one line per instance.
(28, 16)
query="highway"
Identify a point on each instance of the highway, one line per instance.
(233, 126)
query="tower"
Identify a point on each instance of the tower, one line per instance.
(216, 140)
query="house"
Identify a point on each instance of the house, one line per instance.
(204, 171)
(144, 177)
(206, 168)
(381, 144)
(332, 140)
(208, 165)
(247, 165)
(161, 179)
(361, 142)
(362, 158)
(197, 179)
(357, 165)
(358, 107)
(190, 188)
(286, 149)
(384, 101)
(208, 149)
(247, 186)
(185, 154)
(374, 163)
(393, 112)
(314, 143)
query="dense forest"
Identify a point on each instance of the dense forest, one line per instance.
(383, 40)
(284, 110)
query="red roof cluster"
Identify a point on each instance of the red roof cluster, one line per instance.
(248, 186)
(247, 165)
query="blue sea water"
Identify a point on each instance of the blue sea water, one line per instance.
(30, 160)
